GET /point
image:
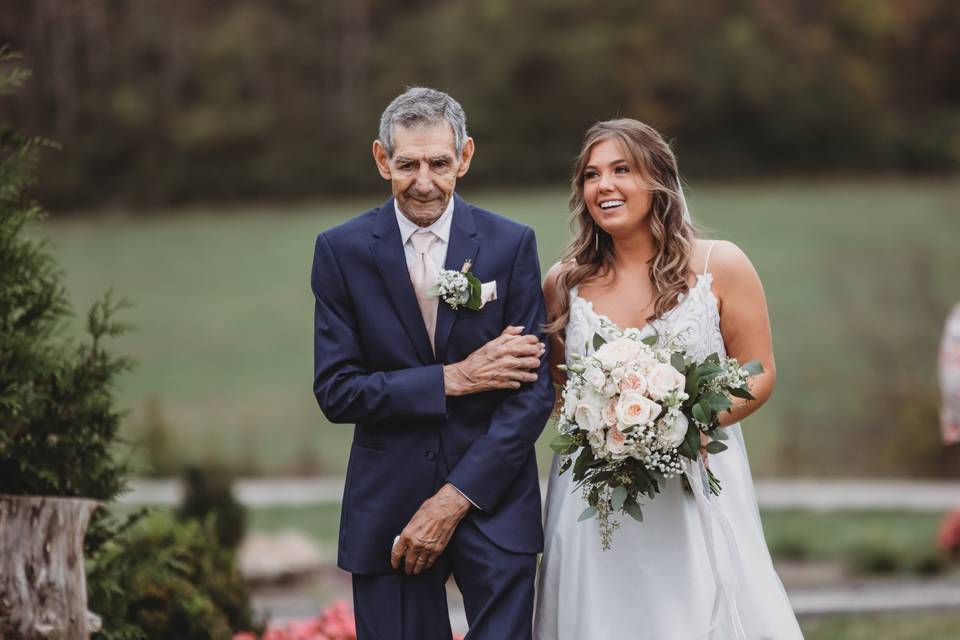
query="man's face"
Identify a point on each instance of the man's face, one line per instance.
(423, 170)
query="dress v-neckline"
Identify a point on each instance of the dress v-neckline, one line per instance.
(701, 277)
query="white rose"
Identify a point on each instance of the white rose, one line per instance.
(632, 380)
(664, 379)
(571, 398)
(616, 442)
(595, 377)
(617, 352)
(635, 408)
(588, 416)
(609, 412)
(673, 429)
(597, 440)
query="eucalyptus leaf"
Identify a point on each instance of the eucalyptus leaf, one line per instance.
(651, 341)
(598, 341)
(713, 357)
(588, 513)
(701, 416)
(564, 444)
(742, 393)
(754, 367)
(693, 383)
(679, 362)
(619, 497)
(633, 510)
(715, 447)
(718, 402)
(720, 434)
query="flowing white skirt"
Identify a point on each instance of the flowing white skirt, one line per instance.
(658, 581)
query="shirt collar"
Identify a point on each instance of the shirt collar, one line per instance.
(440, 227)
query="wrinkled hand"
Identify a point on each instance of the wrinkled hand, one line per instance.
(506, 362)
(429, 531)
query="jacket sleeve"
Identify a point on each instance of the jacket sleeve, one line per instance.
(488, 468)
(346, 390)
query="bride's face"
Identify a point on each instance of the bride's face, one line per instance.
(613, 190)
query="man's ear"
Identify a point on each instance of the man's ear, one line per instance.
(382, 159)
(465, 157)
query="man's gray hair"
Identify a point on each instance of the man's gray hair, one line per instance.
(422, 107)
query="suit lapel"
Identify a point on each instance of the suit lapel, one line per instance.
(464, 245)
(392, 263)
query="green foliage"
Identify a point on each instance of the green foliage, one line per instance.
(167, 579)
(209, 497)
(59, 425)
(59, 436)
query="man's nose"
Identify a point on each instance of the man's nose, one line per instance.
(424, 183)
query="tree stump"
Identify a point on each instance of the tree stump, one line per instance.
(43, 587)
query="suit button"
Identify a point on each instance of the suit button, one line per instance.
(431, 455)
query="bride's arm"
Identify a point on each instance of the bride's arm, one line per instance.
(744, 323)
(551, 298)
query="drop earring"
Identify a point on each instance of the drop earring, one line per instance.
(596, 240)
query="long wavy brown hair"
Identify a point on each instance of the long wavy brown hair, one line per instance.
(590, 253)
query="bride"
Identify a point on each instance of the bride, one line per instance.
(695, 568)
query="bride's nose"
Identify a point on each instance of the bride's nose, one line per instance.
(606, 184)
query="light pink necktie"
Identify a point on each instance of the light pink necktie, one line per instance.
(423, 275)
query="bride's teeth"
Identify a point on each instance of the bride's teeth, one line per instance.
(609, 204)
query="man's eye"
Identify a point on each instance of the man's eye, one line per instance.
(440, 164)
(406, 166)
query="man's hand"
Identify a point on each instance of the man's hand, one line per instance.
(506, 362)
(429, 530)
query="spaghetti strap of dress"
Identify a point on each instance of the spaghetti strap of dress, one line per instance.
(706, 263)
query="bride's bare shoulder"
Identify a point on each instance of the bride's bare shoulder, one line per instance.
(727, 262)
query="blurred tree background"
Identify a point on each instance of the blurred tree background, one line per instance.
(168, 101)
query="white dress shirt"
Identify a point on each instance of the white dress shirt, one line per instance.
(438, 251)
(440, 228)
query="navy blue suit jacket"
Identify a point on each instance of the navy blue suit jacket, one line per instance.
(374, 367)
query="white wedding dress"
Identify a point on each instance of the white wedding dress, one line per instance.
(660, 581)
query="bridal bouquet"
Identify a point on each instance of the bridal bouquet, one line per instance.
(633, 412)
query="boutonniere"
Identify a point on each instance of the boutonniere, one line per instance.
(463, 289)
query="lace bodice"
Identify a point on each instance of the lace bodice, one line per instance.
(695, 321)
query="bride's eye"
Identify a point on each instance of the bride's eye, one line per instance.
(622, 169)
(590, 174)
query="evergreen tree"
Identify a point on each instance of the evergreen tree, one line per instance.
(58, 423)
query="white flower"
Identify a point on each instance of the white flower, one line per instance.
(617, 352)
(571, 398)
(673, 429)
(609, 412)
(616, 442)
(635, 408)
(596, 439)
(663, 380)
(588, 412)
(632, 380)
(595, 377)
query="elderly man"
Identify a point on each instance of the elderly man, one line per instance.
(448, 398)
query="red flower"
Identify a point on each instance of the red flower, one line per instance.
(335, 623)
(948, 536)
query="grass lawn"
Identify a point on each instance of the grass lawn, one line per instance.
(223, 309)
(926, 625)
(793, 535)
